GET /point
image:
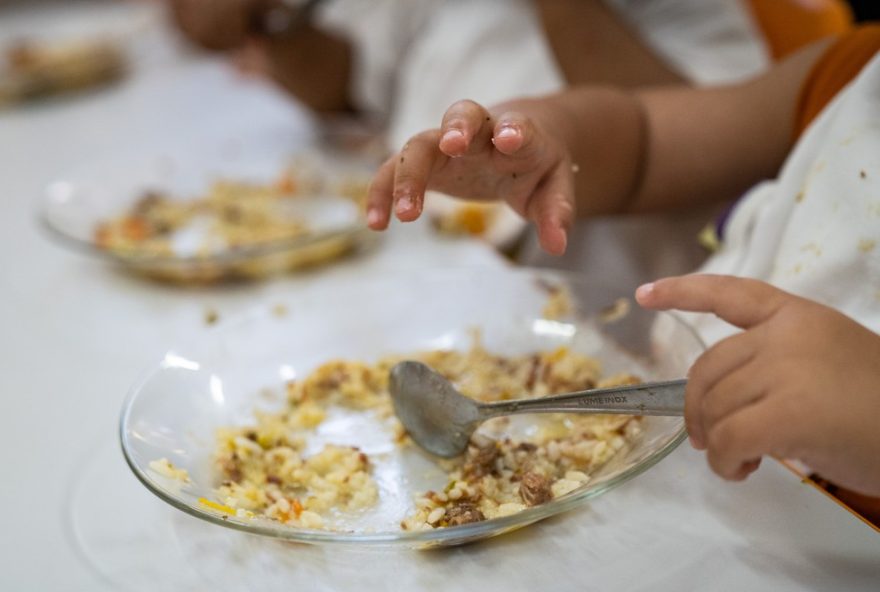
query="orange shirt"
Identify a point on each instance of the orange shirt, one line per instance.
(841, 63)
(788, 25)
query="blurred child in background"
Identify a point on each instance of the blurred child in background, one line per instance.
(405, 61)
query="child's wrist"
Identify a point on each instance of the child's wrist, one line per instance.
(640, 161)
(606, 134)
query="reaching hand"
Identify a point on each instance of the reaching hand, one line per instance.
(802, 381)
(477, 154)
(214, 24)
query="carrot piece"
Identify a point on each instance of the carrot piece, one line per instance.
(286, 183)
(135, 229)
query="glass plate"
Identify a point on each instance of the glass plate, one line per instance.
(123, 37)
(75, 204)
(243, 364)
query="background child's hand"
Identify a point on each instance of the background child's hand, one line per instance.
(214, 24)
(802, 381)
(480, 155)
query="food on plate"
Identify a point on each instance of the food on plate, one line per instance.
(494, 223)
(472, 219)
(559, 302)
(231, 215)
(166, 468)
(33, 69)
(269, 469)
(237, 228)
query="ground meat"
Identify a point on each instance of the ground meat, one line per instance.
(480, 459)
(233, 472)
(162, 228)
(534, 489)
(533, 372)
(231, 468)
(147, 202)
(526, 447)
(463, 513)
(232, 214)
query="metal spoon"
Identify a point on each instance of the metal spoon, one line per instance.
(441, 420)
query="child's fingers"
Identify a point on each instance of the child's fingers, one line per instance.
(379, 199)
(742, 438)
(717, 362)
(739, 301)
(551, 208)
(746, 469)
(412, 171)
(735, 391)
(467, 128)
(514, 133)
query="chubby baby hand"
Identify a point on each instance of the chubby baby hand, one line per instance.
(508, 153)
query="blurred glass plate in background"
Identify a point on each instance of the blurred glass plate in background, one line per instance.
(208, 217)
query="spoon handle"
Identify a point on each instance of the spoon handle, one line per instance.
(650, 398)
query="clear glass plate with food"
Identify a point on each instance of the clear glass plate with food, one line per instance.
(209, 218)
(280, 424)
(68, 47)
(31, 70)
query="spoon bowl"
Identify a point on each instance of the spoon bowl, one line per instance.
(437, 417)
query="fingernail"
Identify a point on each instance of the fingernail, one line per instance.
(644, 291)
(507, 132)
(563, 236)
(452, 134)
(696, 442)
(404, 204)
(374, 217)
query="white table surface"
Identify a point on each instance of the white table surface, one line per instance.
(74, 334)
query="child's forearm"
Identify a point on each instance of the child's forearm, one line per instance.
(604, 132)
(315, 66)
(592, 44)
(671, 148)
(713, 144)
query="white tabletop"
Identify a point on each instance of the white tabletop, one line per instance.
(76, 333)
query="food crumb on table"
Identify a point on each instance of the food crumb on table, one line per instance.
(211, 316)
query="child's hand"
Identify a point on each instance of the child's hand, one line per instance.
(480, 155)
(802, 381)
(214, 24)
